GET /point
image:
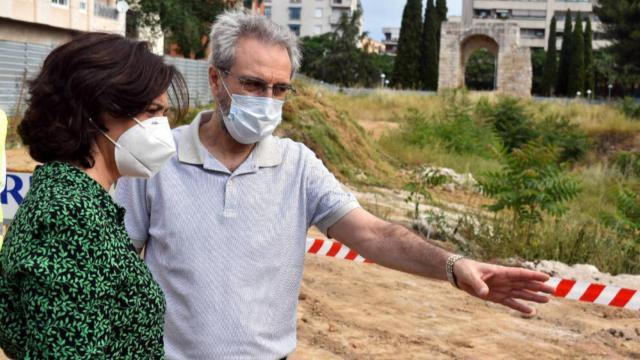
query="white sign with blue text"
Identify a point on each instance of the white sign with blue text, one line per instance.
(17, 186)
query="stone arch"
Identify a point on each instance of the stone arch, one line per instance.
(473, 43)
(457, 43)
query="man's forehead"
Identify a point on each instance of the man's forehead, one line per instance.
(263, 60)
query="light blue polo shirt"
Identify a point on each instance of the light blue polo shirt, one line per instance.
(228, 248)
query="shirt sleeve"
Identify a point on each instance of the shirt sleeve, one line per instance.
(327, 202)
(63, 293)
(131, 194)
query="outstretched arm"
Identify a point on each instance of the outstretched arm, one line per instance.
(396, 247)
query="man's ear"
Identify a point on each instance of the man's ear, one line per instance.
(214, 76)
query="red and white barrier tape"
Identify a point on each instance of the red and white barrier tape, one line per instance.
(567, 289)
(596, 293)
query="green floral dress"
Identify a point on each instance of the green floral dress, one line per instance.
(71, 283)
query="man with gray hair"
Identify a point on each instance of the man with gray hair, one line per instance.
(225, 221)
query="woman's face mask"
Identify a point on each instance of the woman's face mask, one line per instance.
(251, 118)
(142, 149)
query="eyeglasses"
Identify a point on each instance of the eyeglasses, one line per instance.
(259, 87)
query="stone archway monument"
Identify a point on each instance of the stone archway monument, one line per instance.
(458, 42)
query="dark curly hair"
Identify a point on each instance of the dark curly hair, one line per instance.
(93, 74)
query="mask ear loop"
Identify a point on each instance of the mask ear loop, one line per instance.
(105, 134)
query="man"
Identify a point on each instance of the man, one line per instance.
(225, 222)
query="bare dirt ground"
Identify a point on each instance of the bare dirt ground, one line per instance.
(352, 311)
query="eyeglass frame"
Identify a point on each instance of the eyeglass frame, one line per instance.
(288, 91)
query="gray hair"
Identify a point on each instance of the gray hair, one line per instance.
(233, 25)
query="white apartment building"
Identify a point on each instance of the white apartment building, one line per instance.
(53, 22)
(533, 17)
(309, 17)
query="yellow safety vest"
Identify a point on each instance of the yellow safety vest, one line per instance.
(3, 163)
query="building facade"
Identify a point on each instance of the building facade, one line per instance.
(53, 22)
(306, 17)
(533, 17)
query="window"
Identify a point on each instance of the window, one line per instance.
(295, 1)
(83, 5)
(295, 28)
(60, 2)
(317, 30)
(267, 12)
(294, 13)
(318, 13)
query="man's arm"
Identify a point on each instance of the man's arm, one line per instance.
(396, 247)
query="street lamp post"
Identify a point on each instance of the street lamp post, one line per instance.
(589, 94)
(610, 88)
(382, 76)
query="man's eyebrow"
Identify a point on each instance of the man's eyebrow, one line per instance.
(255, 78)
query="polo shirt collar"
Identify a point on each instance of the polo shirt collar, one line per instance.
(191, 151)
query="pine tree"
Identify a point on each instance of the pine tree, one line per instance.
(429, 48)
(550, 75)
(407, 65)
(576, 63)
(589, 75)
(565, 55)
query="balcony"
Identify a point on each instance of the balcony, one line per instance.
(341, 3)
(105, 11)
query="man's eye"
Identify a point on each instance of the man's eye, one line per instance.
(252, 85)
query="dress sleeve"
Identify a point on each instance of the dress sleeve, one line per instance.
(64, 290)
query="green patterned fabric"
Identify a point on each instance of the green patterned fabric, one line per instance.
(71, 283)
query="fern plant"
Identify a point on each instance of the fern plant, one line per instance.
(530, 184)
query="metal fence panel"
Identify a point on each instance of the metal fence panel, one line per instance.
(20, 62)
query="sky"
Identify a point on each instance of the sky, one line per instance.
(388, 13)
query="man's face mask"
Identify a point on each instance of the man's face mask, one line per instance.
(251, 118)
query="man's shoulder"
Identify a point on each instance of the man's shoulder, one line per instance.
(292, 150)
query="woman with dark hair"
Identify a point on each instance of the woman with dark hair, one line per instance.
(71, 284)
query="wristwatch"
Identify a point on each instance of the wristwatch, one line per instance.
(451, 261)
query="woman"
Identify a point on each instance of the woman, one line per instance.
(71, 284)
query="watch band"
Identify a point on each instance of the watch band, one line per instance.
(451, 261)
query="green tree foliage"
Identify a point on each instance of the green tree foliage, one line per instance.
(626, 222)
(530, 184)
(538, 57)
(589, 76)
(511, 123)
(550, 72)
(441, 7)
(183, 22)
(407, 64)
(418, 187)
(314, 51)
(480, 71)
(515, 129)
(429, 48)
(576, 64)
(565, 56)
(621, 19)
(336, 58)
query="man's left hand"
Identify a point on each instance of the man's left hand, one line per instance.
(502, 285)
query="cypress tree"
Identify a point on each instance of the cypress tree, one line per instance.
(550, 74)
(441, 8)
(576, 64)
(565, 55)
(407, 64)
(589, 76)
(429, 48)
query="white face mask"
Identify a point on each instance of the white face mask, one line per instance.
(144, 148)
(251, 118)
